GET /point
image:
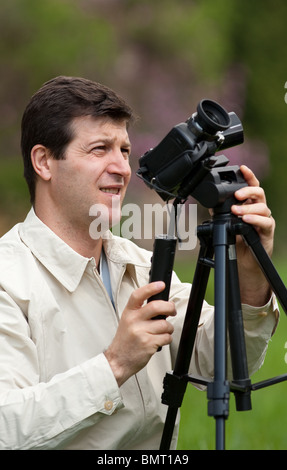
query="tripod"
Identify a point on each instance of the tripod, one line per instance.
(217, 250)
(184, 164)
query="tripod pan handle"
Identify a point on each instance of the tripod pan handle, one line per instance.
(162, 265)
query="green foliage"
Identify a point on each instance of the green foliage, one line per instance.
(261, 48)
(15, 204)
(186, 30)
(44, 38)
(40, 40)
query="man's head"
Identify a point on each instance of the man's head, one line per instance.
(49, 116)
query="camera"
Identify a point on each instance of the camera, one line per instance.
(178, 164)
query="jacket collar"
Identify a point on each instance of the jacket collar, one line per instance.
(65, 264)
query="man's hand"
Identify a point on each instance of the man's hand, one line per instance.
(254, 288)
(138, 337)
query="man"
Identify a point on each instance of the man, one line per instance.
(79, 367)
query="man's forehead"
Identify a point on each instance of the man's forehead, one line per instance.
(103, 125)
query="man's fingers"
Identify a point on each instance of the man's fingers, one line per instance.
(140, 295)
(249, 176)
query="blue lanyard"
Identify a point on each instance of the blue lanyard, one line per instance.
(105, 275)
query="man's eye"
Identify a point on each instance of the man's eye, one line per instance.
(126, 152)
(99, 148)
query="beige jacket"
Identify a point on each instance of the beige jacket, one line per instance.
(57, 390)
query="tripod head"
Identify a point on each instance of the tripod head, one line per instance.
(216, 189)
(184, 163)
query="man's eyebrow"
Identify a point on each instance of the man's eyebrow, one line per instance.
(108, 140)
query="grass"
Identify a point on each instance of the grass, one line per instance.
(262, 428)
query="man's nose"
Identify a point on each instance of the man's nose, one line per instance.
(120, 164)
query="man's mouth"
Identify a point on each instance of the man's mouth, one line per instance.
(111, 190)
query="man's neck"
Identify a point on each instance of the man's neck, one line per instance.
(74, 235)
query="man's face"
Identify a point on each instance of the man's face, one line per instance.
(95, 170)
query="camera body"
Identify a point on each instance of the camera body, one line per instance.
(183, 158)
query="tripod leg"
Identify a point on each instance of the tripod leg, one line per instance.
(253, 240)
(236, 334)
(218, 390)
(173, 384)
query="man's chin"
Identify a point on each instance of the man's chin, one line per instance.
(115, 218)
(103, 218)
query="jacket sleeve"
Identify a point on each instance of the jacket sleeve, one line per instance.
(33, 414)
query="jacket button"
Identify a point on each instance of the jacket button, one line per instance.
(108, 405)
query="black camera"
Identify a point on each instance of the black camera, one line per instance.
(177, 165)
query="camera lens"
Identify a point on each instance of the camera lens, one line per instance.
(212, 117)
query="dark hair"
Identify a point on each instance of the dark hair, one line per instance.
(48, 116)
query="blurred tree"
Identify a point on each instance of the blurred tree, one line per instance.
(40, 40)
(261, 48)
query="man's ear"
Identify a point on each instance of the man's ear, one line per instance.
(40, 157)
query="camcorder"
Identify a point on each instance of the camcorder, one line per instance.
(184, 163)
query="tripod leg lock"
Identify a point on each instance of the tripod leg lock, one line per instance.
(218, 393)
(174, 390)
